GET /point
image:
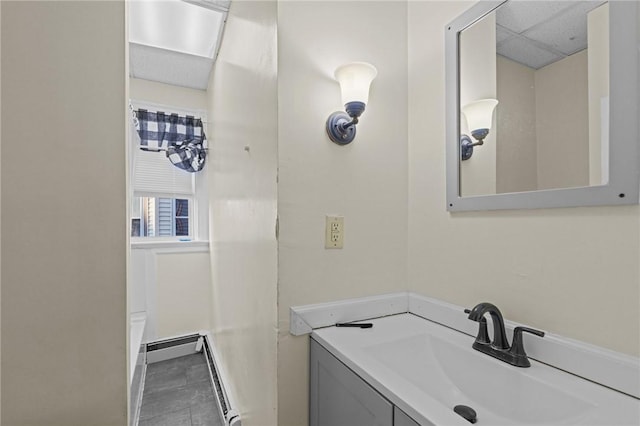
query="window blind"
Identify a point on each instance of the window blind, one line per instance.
(153, 174)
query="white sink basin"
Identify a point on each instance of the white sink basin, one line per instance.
(427, 369)
(498, 392)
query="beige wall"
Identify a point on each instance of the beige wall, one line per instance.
(365, 181)
(516, 156)
(64, 318)
(598, 75)
(243, 170)
(563, 145)
(543, 131)
(569, 271)
(478, 81)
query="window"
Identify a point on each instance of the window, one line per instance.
(160, 217)
(165, 200)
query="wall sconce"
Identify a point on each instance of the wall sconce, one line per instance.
(479, 115)
(355, 79)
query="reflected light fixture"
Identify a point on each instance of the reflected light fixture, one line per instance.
(355, 79)
(479, 115)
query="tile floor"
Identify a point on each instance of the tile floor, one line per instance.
(178, 392)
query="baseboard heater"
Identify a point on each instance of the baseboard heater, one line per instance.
(192, 343)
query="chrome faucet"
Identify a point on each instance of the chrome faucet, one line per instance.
(499, 346)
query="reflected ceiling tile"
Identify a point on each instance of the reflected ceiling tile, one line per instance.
(566, 32)
(520, 50)
(502, 34)
(519, 16)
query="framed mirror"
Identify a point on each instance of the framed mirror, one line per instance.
(542, 105)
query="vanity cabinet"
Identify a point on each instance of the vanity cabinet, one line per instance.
(401, 419)
(339, 397)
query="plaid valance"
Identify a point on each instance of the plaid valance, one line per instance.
(182, 138)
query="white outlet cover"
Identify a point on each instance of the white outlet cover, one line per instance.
(334, 232)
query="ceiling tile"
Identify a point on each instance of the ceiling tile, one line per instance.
(566, 32)
(526, 53)
(502, 34)
(519, 16)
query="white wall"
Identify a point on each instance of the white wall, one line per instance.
(569, 271)
(64, 229)
(166, 94)
(243, 170)
(173, 287)
(365, 181)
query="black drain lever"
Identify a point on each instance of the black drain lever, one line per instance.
(468, 413)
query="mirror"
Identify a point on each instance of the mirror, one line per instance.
(564, 131)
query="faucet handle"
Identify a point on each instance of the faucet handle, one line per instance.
(483, 334)
(517, 346)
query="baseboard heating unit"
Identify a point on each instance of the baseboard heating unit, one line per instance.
(193, 343)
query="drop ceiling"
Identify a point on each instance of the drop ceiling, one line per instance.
(538, 33)
(175, 41)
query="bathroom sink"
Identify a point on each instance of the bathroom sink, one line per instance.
(498, 392)
(427, 369)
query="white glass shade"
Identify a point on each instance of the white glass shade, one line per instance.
(479, 113)
(355, 79)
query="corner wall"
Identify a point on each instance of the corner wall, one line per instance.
(243, 186)
(64, 228)
(365, 181)
(571, 271)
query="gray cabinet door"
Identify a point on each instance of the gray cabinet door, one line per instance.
(339, 397)
(401, 419)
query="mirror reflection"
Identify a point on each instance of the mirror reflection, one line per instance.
(547, 65)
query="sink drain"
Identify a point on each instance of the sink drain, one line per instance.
(466, 412)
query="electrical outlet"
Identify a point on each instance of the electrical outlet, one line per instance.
(334, 232)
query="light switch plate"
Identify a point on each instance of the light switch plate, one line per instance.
(334, 232)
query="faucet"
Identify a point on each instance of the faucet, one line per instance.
(499, 346)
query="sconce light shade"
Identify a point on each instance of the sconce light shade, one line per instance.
(355, 79)
(479, 115)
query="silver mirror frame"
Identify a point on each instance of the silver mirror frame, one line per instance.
(624, 162)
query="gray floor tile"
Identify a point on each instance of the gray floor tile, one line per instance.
(197, 372)
(182, 362)
(178, 392)
(162, 380)
(176, 418)
(205, 415)
(174, 399)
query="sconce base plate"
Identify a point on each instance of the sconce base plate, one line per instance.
(466, 147)
(335, 131)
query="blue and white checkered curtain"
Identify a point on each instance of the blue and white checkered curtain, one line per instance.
(182, 138)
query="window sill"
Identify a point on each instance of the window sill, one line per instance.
(172, 245)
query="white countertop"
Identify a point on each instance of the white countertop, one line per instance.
(360, 350)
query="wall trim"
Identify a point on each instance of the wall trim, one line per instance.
(615, 370)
